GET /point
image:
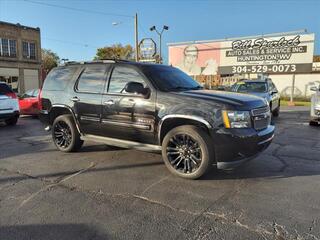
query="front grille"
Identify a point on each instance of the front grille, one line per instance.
(261, 117)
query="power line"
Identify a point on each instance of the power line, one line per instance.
(70, 42)
(78, 9)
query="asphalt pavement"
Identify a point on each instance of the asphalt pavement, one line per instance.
(105, 192)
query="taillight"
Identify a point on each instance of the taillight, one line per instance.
(11, 95)
(40, 100)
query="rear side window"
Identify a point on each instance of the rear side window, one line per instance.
(92, 79)
(121, 76)
(5, 89)
(58, 78)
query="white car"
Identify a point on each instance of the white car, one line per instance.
(315, 106)
(9, 105)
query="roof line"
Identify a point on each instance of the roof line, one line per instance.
(20, 26)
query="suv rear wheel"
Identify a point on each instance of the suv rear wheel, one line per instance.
(65, 134)
(187, 151)
(12, 121)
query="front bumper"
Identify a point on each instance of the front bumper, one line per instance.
(233, 147)
(5, 116)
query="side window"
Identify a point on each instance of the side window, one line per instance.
(35, 93)
(271, 86)
(28, 94)
(92, 79)
(121, 76)
(58, 78)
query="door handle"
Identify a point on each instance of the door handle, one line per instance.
(131, 100)
(109, 102)
(75, 99)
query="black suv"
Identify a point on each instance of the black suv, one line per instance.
(154, 108)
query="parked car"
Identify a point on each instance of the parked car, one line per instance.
(29, 102)
(315, 106)
(9, 106)
(261, 88)
(154, 108)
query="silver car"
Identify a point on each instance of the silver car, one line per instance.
(261, 88)
(315, 106)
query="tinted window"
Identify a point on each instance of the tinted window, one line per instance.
(58, 78)
(170, 78)
(4, 89)
(121, 76)
(92, 79)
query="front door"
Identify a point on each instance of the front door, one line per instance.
(87, 98)
(128, 116)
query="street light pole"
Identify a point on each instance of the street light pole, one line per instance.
(153, 28)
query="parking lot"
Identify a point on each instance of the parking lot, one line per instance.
(105, 192)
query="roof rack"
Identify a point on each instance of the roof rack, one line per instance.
(96, 61)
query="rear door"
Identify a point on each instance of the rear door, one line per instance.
(128, 116)
(87, 97)
(26, 102)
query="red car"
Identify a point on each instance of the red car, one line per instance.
(29, 102)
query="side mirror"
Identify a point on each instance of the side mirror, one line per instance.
(314, 89)
(274, 91)
(135, 88)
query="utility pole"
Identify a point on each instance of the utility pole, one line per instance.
(136, 37)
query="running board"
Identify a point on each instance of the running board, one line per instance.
(122, 143)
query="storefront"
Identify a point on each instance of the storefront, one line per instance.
(20, 56)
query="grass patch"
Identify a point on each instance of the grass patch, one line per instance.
(296, 103)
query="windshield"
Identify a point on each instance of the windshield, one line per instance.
(251, 87)
(170, 79)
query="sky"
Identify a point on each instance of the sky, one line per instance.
(76, 35)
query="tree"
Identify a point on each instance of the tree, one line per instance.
(115, 51)
(49, 59)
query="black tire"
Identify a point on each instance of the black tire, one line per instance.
(313, 123)
(182, 156)
(65, 134)
(12, 121)
(276, 112)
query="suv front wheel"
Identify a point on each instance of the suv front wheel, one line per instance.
(187, 151)
(65, 134)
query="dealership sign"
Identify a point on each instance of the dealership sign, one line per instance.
(281, 54)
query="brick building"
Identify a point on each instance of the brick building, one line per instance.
(20, 56)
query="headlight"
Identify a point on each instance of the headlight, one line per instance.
(236, 119)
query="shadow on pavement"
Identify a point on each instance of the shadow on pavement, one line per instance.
(66, 173)
(51, 231)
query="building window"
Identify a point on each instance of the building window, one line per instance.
(13, 48)
(8, 47)
(29, 50)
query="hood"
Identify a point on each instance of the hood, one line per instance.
(262, 95)
(238, 100)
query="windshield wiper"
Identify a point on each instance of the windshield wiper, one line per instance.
(180, 88)
(195, 88)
